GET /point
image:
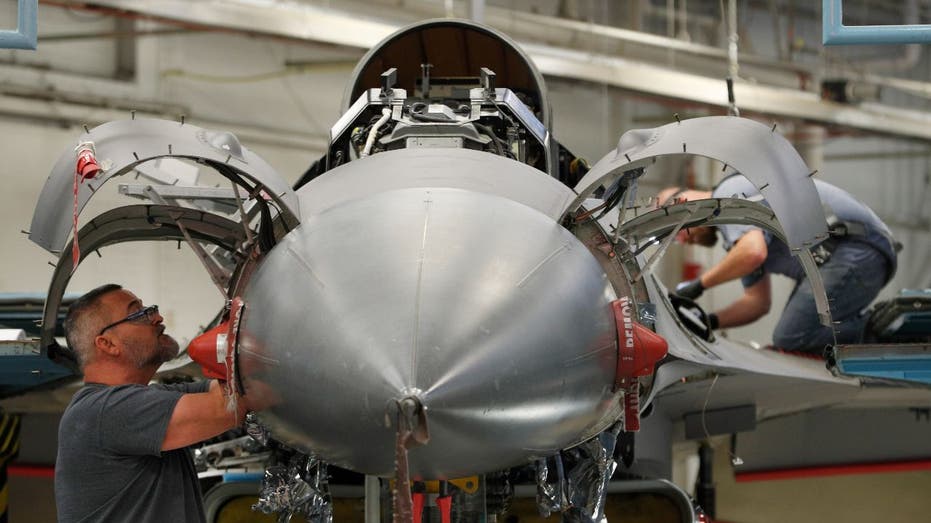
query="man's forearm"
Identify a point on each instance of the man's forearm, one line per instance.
(744, 257)
(754, 303)
(198, 416)
(737, 314)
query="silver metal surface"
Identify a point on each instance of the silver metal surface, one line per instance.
(506, 97)
(445, 168)
(121, 145)
(489, 312)
(756, 151)
(174, 192)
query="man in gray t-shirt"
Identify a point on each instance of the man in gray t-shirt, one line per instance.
(855, 263)
(122, 443)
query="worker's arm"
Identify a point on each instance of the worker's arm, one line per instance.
(747, 254)
(748, 308)
(199, 416)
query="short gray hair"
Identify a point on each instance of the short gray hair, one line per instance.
(83, 321)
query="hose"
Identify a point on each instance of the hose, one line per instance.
(370, 141)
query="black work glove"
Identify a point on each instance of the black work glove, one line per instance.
(693, 317)
(690, 289)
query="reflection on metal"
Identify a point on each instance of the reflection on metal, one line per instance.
(462, 169)
(593, 465)
(300, 487)
(550, 494)
(256, 430)
(24, 36)
(834, 32)
(519, 364)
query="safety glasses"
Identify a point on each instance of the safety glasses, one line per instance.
(146, 315)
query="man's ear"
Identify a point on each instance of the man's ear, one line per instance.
(106, 345)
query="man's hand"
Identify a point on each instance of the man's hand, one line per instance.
(259, 395)
(693, 317)
(690, 289)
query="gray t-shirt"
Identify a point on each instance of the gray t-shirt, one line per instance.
(110, 466)
(779, 259)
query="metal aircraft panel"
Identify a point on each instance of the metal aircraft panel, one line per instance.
(762, 155)
(489, 312)
(646, 228)
(121, 145)
(445, 168)
(136, 223)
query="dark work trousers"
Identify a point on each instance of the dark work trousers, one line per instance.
(852, 277)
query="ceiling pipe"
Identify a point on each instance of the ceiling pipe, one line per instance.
(733, 69)
(683, 17)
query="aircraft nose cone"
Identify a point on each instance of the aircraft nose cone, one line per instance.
(493, 316)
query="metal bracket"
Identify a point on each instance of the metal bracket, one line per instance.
(488, 82)
(219, 276)
(388, 79)
(176, 192)
(667, 241)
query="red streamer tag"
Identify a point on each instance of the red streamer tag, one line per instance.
(75, 249)
(85, 169)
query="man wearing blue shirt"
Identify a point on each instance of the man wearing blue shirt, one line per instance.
(855, 263)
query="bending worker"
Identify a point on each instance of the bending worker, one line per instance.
(855, 263)
(121, 441)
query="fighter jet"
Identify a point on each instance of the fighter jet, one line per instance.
(449, 291)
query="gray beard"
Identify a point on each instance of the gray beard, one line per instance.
(166, 350)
